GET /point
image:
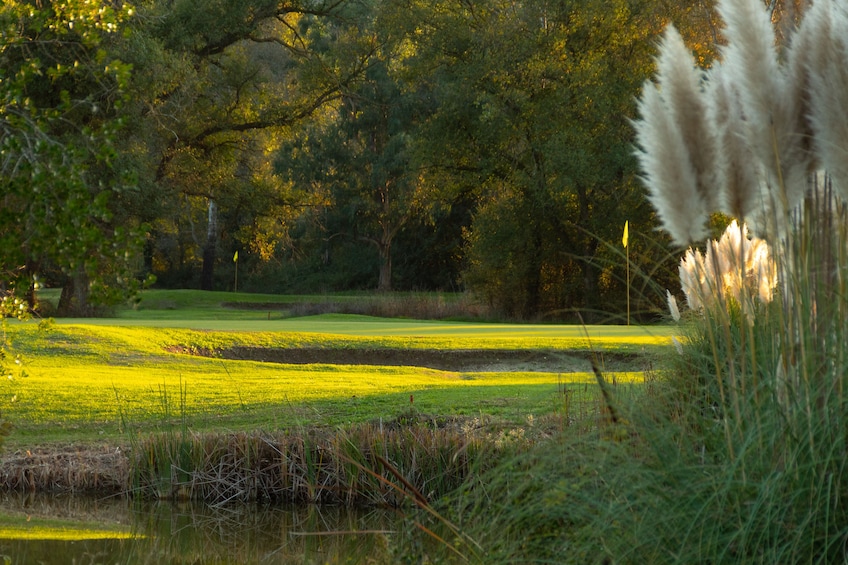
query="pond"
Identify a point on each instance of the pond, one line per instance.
(82, 530)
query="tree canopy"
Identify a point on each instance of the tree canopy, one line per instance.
(62, 90)
(481, 145)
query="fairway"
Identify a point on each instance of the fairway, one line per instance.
(104, 378)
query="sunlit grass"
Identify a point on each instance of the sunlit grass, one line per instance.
(346, 330)
(99, 381)
(203, 311)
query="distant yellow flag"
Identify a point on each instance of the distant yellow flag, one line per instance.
(624, 237)
(235, 257)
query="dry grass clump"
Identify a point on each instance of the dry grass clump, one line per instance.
(413, 457)
(101, 470)
(365, 465)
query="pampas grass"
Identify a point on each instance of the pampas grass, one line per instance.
(738, 182)
(771, 114)
(735, 267)
(754, 151)
(680, 84)
(669, 171)
(742, 456)
(826, 30)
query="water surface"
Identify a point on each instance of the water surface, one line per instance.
(83, 530)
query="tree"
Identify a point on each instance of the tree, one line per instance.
(532, 100)
(219, 89)
(530, 123)
(61, 94)
(360, 160)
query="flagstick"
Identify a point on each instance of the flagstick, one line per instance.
(624, 240)
(627, 251)
(235, 260)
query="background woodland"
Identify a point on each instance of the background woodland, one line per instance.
(335, 145)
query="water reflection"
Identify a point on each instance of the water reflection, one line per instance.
(191, 533)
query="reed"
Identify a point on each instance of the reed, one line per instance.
(101, 470)
(361, 465)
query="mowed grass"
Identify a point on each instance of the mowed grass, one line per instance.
(105, 378)
(204, 311)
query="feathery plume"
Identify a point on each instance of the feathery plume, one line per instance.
(680, 83)
(677, 345)
(672, 306)
(738, 182)
(765, 270)
(732, 267)
(827, 23)
(772, 113)
(668, 172)
(692, 275)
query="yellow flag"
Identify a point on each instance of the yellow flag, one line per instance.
(624, 237)
(235, 257)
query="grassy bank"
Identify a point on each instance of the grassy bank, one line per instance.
(102, 382)
(172, 399)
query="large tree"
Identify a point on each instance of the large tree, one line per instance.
(217, 90)
(61, 95)
(531, 124)
(360, 159)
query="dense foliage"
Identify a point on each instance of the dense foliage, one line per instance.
(62, 87)
(335, 145)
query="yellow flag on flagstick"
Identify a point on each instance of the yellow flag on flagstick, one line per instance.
(235, 257)
(624, 237)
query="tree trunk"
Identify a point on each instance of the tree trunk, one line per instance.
(31, 296)
(74, 298)
(533, 276)
(589, 271)
(385, 281)
(207, 275)
(149, 251)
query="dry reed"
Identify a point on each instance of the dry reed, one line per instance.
(358, 466)
(104, 470)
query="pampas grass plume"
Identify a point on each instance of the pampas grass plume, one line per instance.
(672, 306)
(827, 24)
(774, 110)
(733, 267)
(669, 172)
(691, 271)
(751, 63)
(680, 83)
(737, 180)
